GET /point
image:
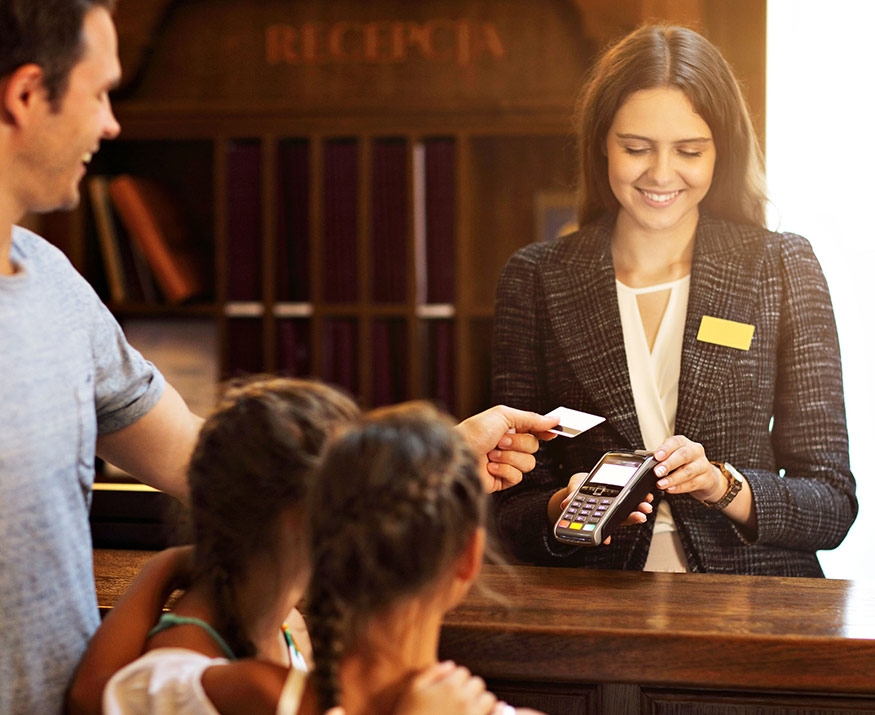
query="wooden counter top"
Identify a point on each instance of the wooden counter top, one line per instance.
(701, 630)
(674, 630)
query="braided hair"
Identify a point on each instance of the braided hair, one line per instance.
(254, 458)
(396, 501)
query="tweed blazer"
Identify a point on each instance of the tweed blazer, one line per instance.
(775, 411)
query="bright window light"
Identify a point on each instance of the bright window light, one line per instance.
(820, 164)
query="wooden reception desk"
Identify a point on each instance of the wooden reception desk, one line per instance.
(604, 642)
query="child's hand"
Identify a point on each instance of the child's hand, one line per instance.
(446, 688)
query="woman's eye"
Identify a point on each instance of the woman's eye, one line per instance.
(689, 154)
(635, 151)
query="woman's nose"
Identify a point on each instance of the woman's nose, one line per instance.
(661, 168)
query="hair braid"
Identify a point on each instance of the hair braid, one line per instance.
(325, 625)
(254, 459)
(396, 500)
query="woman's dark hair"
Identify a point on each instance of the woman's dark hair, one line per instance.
(47, 33)
(254, 458)
(656, 56)
(397, 499)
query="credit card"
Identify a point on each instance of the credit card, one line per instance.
(573, 422)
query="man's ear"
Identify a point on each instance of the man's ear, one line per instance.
(20, 91)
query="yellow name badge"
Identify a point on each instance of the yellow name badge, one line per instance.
(725, 332)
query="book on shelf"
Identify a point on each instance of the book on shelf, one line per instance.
(389, 221)
(245, 346)
(388, 354)
(340, 277)
(127, 273)
(293, 346)
(439, 175)
(157, 227)
(244, 221)
(141, 282)
(293, 221)
(107, 237)
(340, 354)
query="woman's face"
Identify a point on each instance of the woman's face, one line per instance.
(660, 160)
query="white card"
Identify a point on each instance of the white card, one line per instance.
(573, 422)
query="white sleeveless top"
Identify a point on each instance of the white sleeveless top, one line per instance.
(654, 376)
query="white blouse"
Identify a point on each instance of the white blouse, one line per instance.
(654, 376)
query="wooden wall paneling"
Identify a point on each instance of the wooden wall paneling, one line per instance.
(509, 170)
(138, 22)
(687, 12)
(656, 701)
(67, 231)
(479, 373)
(739, 30)
(357, 55)
(554, 698)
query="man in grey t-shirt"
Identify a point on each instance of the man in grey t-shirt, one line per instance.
(70, 385)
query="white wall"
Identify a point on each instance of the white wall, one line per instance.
(820, 163)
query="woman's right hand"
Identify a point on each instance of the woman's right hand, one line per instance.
(446, 688)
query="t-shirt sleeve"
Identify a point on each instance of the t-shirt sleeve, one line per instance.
(126, 385)
(164, 681)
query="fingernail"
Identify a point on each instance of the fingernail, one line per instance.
(659, 471)
(662, 483)
(505, 442)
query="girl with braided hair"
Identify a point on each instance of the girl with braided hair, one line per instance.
(249, 478)
(397, 538)
(234, 642)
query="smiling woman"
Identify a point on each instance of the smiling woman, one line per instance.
(660, 167)
(619, 320)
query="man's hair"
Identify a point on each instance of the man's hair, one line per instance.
(47, 33)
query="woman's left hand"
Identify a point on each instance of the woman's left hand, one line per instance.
(684, 469)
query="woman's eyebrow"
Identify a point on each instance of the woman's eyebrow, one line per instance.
(692, 140)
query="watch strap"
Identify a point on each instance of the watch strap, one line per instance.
(734, 483)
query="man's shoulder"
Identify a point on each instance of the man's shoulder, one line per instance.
(30, 247)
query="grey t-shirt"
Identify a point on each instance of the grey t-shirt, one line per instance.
(66, 374)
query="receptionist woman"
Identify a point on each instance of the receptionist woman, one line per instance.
(697, 333)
